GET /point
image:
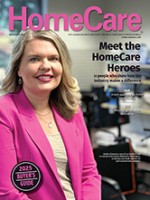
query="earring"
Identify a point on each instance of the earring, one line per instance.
(20, 81)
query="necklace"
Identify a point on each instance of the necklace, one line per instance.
(49, 124)
(42, 114)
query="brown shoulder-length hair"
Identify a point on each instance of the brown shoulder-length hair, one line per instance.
(66, 97)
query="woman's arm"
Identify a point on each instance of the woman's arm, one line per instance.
(8, 160)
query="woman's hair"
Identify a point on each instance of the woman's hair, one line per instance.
(66, 97)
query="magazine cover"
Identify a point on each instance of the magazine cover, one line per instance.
(74, 100)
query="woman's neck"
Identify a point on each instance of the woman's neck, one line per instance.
(40, 103)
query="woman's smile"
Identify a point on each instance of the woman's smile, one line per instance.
(40, 67)
(45, 77)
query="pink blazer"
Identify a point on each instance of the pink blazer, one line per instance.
(22, 139)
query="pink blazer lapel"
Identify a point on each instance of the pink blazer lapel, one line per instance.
(67, 130)
(35, 131)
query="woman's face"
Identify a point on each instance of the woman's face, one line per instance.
(40, 67)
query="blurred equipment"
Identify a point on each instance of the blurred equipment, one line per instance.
(146, 97)
(101, 109)
(120, 163)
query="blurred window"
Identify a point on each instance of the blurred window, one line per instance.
(7, 36)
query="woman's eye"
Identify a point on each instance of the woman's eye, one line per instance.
(54, 59)
(34, 59)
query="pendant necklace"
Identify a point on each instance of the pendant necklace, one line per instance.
(49, 124)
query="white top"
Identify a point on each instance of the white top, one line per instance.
(61, 159)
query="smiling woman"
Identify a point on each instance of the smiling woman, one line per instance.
(43, 53)
(41, 112)
(40, 68)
